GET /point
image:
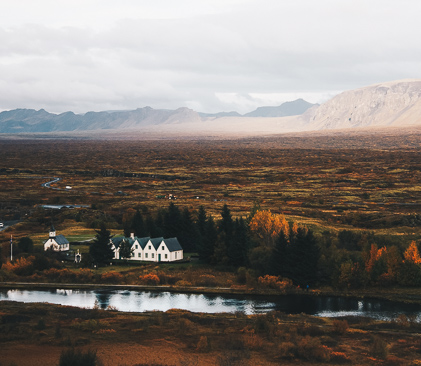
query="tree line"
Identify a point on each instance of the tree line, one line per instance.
(266, 243)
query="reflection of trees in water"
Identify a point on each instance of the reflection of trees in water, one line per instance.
(103, 299)
(156, 295)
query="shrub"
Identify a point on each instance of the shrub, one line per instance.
(206, 280)
(60, 275)
(74, 357)
(340, 326)
(274, 282)
(21, 267)
(311, 349)
(287, 350)
(111, 277)
(379, 348)
(183, 283)
(85, 275)
(203, 345)
(149, 279)
(339, 357)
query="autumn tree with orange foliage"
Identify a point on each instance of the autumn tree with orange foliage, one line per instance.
(266, 227)
(412, 254)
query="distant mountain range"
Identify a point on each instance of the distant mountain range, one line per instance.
(395, 103)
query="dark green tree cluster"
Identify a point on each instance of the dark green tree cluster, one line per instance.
(100, 251)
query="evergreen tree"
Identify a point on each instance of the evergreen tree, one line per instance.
(126, 249)
(225, 229)
(138, 226)
(226, 223)
(101, 249)
(159, 225)
(201, 220)
(278, 255)
(26, 244)
(210, 238)
(237, 251)
(172, 221)
(301, 258)
(188, 232)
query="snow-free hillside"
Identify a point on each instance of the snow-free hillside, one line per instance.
(395, 103)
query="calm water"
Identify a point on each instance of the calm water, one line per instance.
(139, 301)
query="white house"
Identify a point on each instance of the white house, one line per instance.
(57, 243)
(150, 249)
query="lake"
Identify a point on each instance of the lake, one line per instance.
(140, 301)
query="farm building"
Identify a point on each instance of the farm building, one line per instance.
(149, 249)
(57, 243)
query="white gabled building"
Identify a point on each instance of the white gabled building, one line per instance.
(149, 249)
(57, 243)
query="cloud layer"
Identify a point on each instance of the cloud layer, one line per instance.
(210, 55)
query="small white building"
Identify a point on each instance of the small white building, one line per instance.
(149, 249)
(57, 243)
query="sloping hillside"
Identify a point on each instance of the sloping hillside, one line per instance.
(387, 104)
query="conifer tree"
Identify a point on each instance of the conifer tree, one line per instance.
(138, 226)
(126, 249)
(239, 245)
(301, 258)
(101, 249)
(188, 232)
(172, 221)
(210, 238)
(279, 255)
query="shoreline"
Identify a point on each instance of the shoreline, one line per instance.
(406, 295)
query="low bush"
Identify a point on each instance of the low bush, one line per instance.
(340, 326)
(149, 279)
(275, 282)
(112, 277)
(74, 357)
(379, 348)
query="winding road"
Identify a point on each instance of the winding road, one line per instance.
(48, 184)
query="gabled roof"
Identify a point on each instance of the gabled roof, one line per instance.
(172, 244)
(156, 241)
(142, 241)
(117, 241)
(61, 240)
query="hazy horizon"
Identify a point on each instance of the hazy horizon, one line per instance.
(211, 56)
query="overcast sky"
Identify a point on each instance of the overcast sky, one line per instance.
(208, 55)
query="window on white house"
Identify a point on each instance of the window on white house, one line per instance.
(166, 256)
(153, 255)
(149, 247)
(135, 246)
(139, 254)
(175, 255)
(163, 248)
(146, 255)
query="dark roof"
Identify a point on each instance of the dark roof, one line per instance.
(172, 244)
(117, 241)
(61, 240)
(143, 241)
(131, 241)
(156, 241)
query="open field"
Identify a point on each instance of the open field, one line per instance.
(36, 334)
(376, 189)
(364, 183)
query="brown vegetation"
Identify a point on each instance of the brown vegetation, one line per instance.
(182, 338)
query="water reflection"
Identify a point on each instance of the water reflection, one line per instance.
(139, 301)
